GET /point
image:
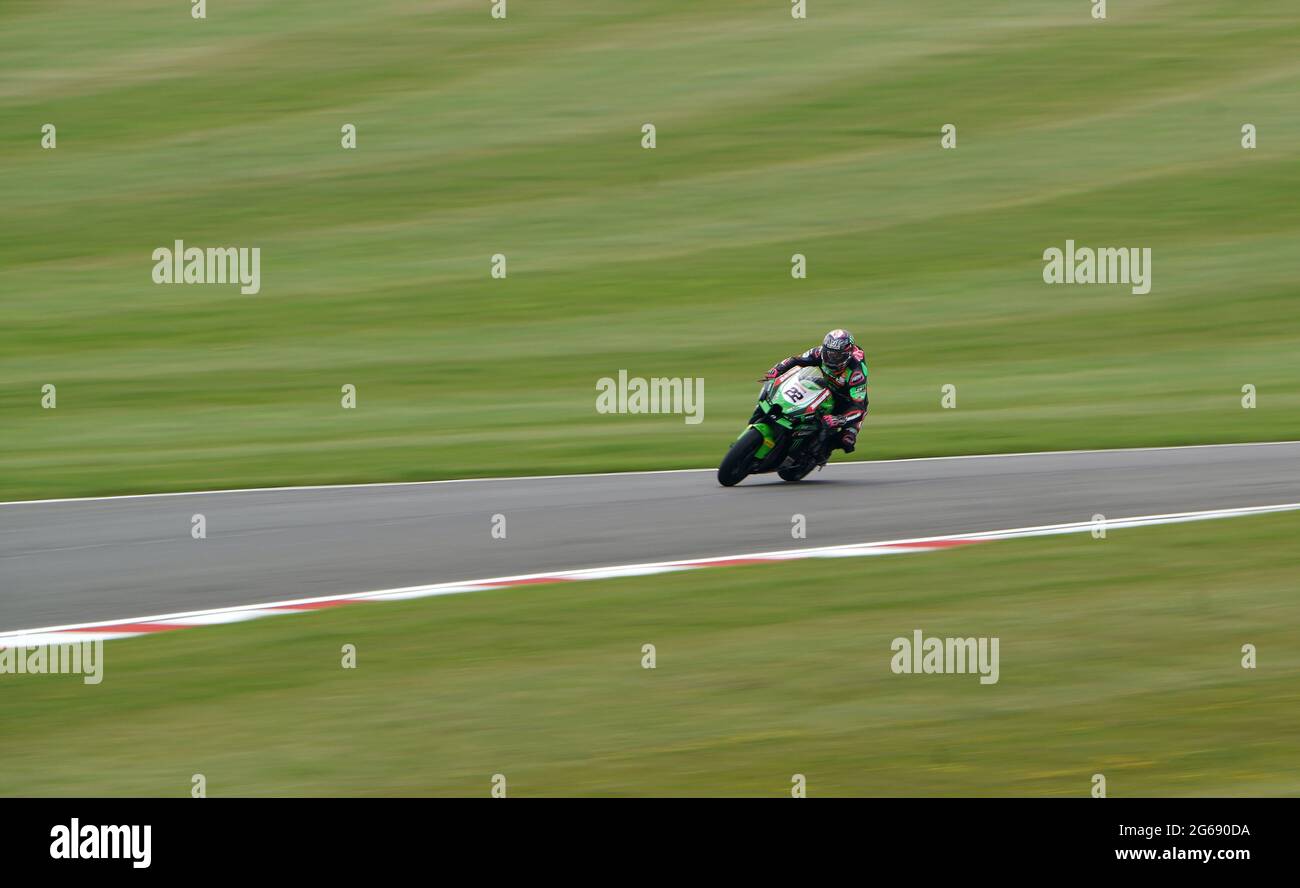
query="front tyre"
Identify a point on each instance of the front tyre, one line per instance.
(736, 464)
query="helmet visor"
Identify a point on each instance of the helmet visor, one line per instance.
(835, 358)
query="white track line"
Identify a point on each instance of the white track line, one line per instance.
(122, 628)
(856, 463)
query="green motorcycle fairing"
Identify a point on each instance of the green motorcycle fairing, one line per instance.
(802, 395)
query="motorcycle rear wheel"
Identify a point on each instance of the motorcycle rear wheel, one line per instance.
(798, 471)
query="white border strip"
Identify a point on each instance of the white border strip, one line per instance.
(125, 628)
(858, 463)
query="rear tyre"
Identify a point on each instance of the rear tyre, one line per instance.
(797, 472)
(814, 454)
(735, 465)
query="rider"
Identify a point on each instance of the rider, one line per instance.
(845, 369)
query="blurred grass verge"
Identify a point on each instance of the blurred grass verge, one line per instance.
(1119, 656)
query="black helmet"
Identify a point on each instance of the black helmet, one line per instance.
(837, 348)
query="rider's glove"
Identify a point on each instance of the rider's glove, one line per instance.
(771, 374)
(849, 440)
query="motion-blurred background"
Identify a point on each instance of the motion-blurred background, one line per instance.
(522, 136)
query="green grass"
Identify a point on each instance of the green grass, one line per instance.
(1118, 656)
(522, 137)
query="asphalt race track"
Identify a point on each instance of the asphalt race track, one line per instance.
(85, 560)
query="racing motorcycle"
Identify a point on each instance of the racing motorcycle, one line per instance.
(786, 434)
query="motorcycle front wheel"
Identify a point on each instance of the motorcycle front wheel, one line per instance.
(735, 465)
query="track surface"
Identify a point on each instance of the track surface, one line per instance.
(78, 561)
